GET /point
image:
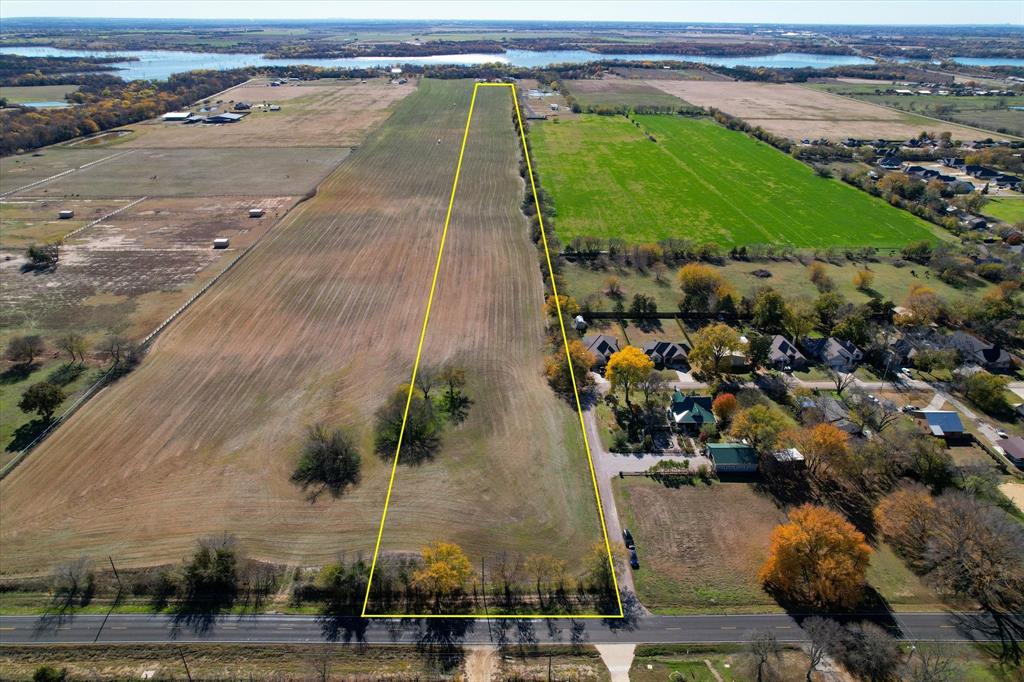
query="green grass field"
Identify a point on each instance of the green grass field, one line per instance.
(36, 93)
(1007, 209)
(702, 182)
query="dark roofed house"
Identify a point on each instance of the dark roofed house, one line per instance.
(943, 423)
(602, 346)
(783, 354)
(978, 351)
(1013, 448)
(689, 413)
(975, 222)
(732, 458)
(242, 106)
(224, 118)
(891, 163)
(839, 354)
(666, 353)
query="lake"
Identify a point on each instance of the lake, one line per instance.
(989, 61)
(159, 64)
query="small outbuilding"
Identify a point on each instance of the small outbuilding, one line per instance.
(177, 116)
(221, 243)
(732, 458)
(1013, 448)
(224, 118)
(256, 212)
(944, 423)
(66, 214)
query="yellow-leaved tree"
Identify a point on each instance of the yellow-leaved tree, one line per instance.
(445, 569)
(818, 558)
(627, 368)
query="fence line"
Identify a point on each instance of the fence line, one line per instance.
(63, 173)
(104, 378)
(99, 220)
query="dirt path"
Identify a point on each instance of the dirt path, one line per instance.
(1015, 491)
(618, 658)
(481, 664)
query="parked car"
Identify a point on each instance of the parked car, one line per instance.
(627, 537)
(634, 561)
(1002, 434)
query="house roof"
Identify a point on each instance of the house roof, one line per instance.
(830, 348)
(1013, 447)
(666, 351)
(783, 349)
(601, 345)
(788, 455)
(942, 422)
(976, 349)
(731, 453)
(691, 409)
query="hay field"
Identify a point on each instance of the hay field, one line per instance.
(18, 171)
(703, 182)
(190, 172)
(320, 323)
(328, 112)
(797, 112)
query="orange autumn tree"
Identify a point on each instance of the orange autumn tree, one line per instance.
(445, 569)
(817, 559)
(906, 517)
(821, 444)
(725, 406)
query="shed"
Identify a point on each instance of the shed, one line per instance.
(177, 116)
(221, 243)
(256, 212)
(223, 118)
(275, 107)
(66, 215)
(1013, 448)
(733, 458)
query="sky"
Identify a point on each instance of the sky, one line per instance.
(737, 11)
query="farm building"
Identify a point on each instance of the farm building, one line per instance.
(256, 212)
(1013, 448)
(602, 346)
(178, 116)
(689, 413)
(242, 106)
(943, 423)
(66, 215)
(275, 107)
(732, 458)
(221, 243)
(224, 118)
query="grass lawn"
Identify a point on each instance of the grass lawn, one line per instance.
(1009, 209)
(36, 93)
(658, 662)
(787, 277)
(700, 546)
(702, 182)
(897, 584)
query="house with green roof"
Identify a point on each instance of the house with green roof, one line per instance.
(732, 458)
(689, 413)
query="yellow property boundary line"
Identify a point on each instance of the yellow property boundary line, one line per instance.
(416, 366)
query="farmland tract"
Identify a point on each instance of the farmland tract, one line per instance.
(697, 180)
(178, 172)
(520, 449)
(620, 92)
(798, 113)
(340, 113)
(318, 324)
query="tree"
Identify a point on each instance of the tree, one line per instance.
(613, 287)
(329, 459)
(988, 392)
(853, 328)
(598, 576)
(724, 407)
(48, 673)
(560, 378)
(627, 368)
(863, 279)
(823, 443)
(43, 256)
(710, 345)
(210, 578)
(760, 426)
(825, 634)
(929, 663)
(817, 558)
(642, 305)
(74, 345)
(454, 402)
(43, 398)
(545, 570)
(652, 386)
(841, 380)
(801, 318)
(445, 569)
(24, 349)
(770, 312)
(763, 647)
(870, 652)
(818, 275)
(923, 306)
(119, 351)
(421, 437)
(701, 285)
(828, 306)
(978, 551)
(427, 378)
(758, 348)
(905, 518)
(568, 304)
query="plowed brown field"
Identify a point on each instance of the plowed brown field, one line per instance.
(320, 322)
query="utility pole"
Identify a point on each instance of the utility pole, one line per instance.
(483, 590)
(184, 663)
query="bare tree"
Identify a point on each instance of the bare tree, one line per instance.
(427, 377)
(74, 345)
(826, 636)
(930, 664)
(24, 349)
(841, 380)
(763, 647)
(871, 652)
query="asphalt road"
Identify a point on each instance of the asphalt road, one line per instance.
(276, 629)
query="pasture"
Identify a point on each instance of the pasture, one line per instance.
(1008, 208)
(35, 93)
(24, 169)
(314, 325)
(702, 182)
(798, 112)
(338, 113)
